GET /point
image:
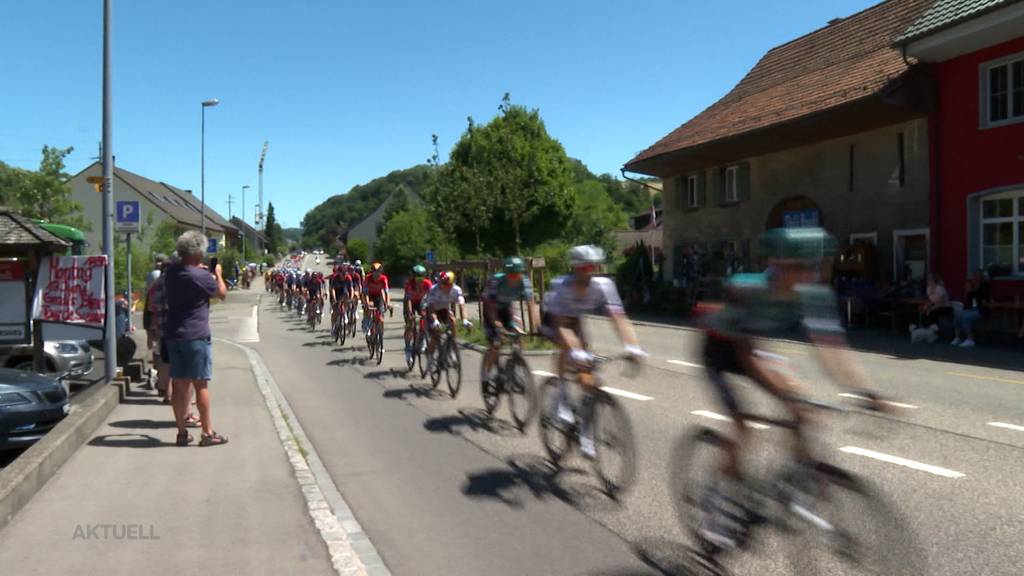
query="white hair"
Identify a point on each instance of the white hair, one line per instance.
(191, 243)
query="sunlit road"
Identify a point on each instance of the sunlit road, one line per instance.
(442, 490)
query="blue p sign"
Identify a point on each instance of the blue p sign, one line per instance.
(127, 216)
(211, 245)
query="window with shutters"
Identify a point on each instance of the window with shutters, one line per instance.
(732, 193)
(691, 191)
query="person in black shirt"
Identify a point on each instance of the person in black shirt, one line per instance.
(976, 299)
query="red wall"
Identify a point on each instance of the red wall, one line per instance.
(966, 159)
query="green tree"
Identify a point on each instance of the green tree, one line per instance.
(44, 193)
(358, 249)
(273, 232)
(165, 237)
(596, 218)
(406, 239)
(512, 181)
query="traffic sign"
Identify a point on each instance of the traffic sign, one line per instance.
(430, 257)
(96, 181)
(211, 245)
(128, 216)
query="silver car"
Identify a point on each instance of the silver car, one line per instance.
(71, 357)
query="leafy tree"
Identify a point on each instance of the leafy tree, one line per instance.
(44, 193)
(273, 232)
(596, 217)
(406, 239)
(358, 249)
(165, 237)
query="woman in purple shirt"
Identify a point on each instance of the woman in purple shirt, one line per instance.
(188, 288)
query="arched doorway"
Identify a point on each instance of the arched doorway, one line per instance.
(795, 212)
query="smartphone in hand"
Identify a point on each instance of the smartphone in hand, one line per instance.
(213, 265)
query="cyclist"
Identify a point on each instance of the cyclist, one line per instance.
(572, 296)
(290, 285)
(416, 288)
(437, 306)
(315, 289)
(788, 296)
(376, 291)
(341, 292)
(503, 290)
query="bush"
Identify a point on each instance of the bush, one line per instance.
(358, 250)
(556, 258)
(270, 260)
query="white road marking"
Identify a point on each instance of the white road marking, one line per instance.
(938, 471)
(685, 363)
(1007, 426)
(626, 394)
(980, 377)
(721, 418)
(889, 402)
(608, 389)
(248, 329)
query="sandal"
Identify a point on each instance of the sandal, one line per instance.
(193, 421)
(212, 439)
(184, 439)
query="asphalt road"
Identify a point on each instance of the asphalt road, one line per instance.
(441, 489)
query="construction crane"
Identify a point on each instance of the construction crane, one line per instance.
(259, 210)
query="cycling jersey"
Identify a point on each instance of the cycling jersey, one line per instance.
(601, 297)
(501, 291)
(290, 280)
(313, 285)
(752, 310)
(416, 291)
(341, 283)
(437, 299)
(376, 285)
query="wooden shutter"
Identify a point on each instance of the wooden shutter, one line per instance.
(717, 184)
(743, 181)
(702, 184)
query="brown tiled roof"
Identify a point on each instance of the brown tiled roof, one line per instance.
(836, 65)
(179, 204)
(17, 230)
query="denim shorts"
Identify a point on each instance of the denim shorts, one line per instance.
(192, 359)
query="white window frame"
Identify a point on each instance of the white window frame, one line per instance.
(691, 191)
(732, 193)
(1015, 219)
(986, 94)
(873, 236)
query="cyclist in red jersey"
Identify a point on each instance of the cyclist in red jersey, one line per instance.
(376, 287)
(416, 287)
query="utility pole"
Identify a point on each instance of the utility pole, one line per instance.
(244, 188)
(230, 201)
(259, 211)
(109, 344)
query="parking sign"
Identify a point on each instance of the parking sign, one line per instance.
(127, 216)
(211, 245)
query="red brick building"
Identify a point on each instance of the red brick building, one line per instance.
(974, 50)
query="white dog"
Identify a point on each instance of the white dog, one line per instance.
(924, 334)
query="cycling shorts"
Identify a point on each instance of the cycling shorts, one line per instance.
(377, 301)
(722, 356)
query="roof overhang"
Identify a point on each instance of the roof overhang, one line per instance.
(990, 29)
(912, 99)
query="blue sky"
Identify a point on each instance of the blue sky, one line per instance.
(349, 90)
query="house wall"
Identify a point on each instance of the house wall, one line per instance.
(970, 160)
(820, 172)
(92, 206)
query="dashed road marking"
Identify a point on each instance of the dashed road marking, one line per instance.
(889, 458)
(722, 418)
(626, 394)
(889, 402)
(1007, 426)
(685, 363)
(980, 377)
(543, 374)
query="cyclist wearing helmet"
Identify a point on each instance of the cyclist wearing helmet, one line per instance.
(437, 306)
(376, 290)
(341, 291)
(416, 288)
(570, 297)
(788, 296)
(503, 290)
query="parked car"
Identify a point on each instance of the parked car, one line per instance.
(30, 405)
(71, 357)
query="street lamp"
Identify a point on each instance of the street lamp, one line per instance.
(202, 163)
(244, 188)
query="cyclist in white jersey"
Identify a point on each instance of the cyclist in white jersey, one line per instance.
(437, 307)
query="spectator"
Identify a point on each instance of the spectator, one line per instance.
(975, 302)
(937, 303)
(188, 288)
(147, 314)
(157, 304)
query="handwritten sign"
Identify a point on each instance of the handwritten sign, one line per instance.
(71, 290)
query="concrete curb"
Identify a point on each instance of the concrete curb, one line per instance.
(350, 548)
(30, 471)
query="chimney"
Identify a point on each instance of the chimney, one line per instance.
(834, 21)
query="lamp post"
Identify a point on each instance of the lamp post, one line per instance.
(244, 188)
(109, 337)
(202, 163)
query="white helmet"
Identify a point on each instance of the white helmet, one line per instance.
(586, 254)
(309, 270)
(358, 263)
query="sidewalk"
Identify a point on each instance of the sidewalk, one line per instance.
(131, 502)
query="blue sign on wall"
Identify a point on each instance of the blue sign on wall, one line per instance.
(809, 218)
(211, 245)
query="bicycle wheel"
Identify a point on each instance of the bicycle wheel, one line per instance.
(615, 463)
(342, 329)
(556, 435)
(435, 374)
(491, 387)
(693, 473)
(522, 394)
(410, 354)
(379, 343)
(453, 367)
(421, 352)
(843, 526)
